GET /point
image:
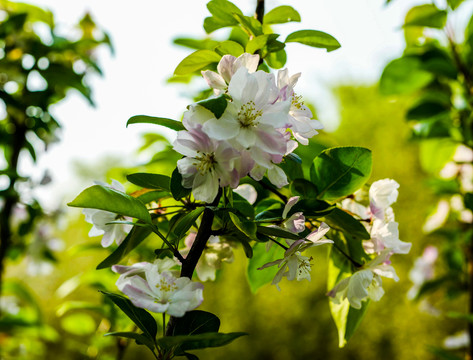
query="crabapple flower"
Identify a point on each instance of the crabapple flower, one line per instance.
(299, 118)
(226, 68)
(294, 265)
(364, 284)
(208, 163)
(423, 270)
(215, 252)
(252, 117)
(101, 220)
(385, 236)
(160, 291)
(296, 222)
(160, 265)
(383, 193)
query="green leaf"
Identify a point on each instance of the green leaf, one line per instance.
(244, 207)
(150, 181)
(250, 24)
(454, 3)
(312, 207)
(196, 322)
(132, 240)
(200, 341)
(259, 42)
(211, 23)
(281, 14)
(342, 221)
(403, 76)
(185, 222)
(196, 61)
(340, 171)
(435, 153)
(276, 60)
(277, 232)
(427, 15)
(245, 226)
(108, 199)
(139, 338)
(258, 278)
(178, 191)
(314, 38)
(468, 200)
(197, 44)
(224, 10)
(425, 110)
(145, 119)
(143, 319)
(304, 188)
(216, 105)
(229, 47)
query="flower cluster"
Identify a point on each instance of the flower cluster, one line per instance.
(384, 242)
(261, 121)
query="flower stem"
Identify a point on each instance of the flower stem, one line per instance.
(174, 250)
(164, 324)
(190, 262)
(278, 243)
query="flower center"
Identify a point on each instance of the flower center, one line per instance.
(304, 266)
(297, 101)
(166, 285)
(206, 163)
(248, 116)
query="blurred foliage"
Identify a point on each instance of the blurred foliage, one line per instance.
(436, 70)
(37, 69)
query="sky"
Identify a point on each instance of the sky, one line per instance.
(135, 76)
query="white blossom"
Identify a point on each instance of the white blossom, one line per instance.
(299, 119)
(226, 68)
(150, 287)
(215, 252)
(294, 265)
(365, 283)
(208, 164)
(101, 221)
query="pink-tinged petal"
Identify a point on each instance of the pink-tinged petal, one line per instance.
(278, 277)
(222, 129)
(248, 192)
(225, 67)
(270, 140)
(296, 223)
(386, 271)
(290, 203)
(272, 263)
(246, 137)
(257, 172)
(205, 188)
(237, 85)
(340, 287)
(277, 177)
(316, 235)
(107, 239)
(214, 80)
(248, 61)
(292, 267)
